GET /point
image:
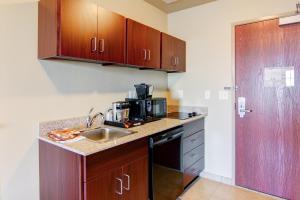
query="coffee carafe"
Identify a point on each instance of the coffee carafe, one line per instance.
(144, 91)
(120, 111)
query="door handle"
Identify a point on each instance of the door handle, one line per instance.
(242, 107)
(94, 44)
(145, 54)
(149, 55)
(102, 45)
(120, 192)
(177, 61)
(128, 182)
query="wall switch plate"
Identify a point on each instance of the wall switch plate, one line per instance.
(180, 94)
(223, 95)
(207, 94)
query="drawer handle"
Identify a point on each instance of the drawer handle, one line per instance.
(128, 182)
(193, 155)
(193, 140)
(120, 192)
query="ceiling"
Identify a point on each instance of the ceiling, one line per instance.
(170, 6)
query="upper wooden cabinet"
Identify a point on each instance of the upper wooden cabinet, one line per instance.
(173, 54)
(80, 30)
(143, 45)
(112, 36)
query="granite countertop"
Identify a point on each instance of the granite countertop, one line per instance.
(87, 147)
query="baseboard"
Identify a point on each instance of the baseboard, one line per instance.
(218, 178)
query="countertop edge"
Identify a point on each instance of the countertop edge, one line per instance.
(61, 145)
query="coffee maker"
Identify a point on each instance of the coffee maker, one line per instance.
(144, 108)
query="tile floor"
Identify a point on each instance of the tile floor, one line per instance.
(205, 189)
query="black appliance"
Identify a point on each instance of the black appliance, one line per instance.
(182, 115)
(147, 109)
(159, 107)
(166, 167)
(143, 91)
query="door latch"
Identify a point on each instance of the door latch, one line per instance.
(242, 107)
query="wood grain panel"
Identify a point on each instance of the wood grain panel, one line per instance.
(104, 187)
(78, 29)
(136, 43)
(136, 185)
(153, 47)
(100, 162)
(180, 48)
(268, 139)
(111, 36)
(47, 28)
(60, 173)
(167, 52)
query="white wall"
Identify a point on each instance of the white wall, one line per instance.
(208, 32)
(33, 90)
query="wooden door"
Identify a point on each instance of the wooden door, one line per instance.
(78, 36)
(168, 59)
(135, 180)
(112, 36)
(136, 43)
(180, 52)
(268, 138)
(153, 48)
(105, 187)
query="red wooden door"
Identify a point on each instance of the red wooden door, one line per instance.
(112, 36)
(105, 187)
(268, 139)
(153, 48)
(135, 180)
(136, 43)
(78, 29)
(168, 61)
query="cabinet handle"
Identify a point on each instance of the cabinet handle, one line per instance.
(128, 182)
(120, 192)
(102, 44)
(173, 60)
(145, 54)
(177, 61)
(94, 44)
(149, 55)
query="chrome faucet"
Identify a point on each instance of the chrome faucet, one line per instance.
(91, 118)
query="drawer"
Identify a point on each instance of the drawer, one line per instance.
(193, 141)
(191, 157)
(192, 172)
(193, 127)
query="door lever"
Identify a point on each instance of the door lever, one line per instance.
(242, 107)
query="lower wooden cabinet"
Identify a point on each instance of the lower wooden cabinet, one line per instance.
(117, 173)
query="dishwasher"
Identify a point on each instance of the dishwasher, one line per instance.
(165, 170)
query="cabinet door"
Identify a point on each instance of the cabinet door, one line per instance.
(180, 49)
(78, 29)
(136, 43)
(111, 36)
(105, 187)
(168, 52)
(135, 180)
(153, 48)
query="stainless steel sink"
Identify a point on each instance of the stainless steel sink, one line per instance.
(105, 134)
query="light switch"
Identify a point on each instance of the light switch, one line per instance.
(207, 94)
(180, 94)
(223, 95)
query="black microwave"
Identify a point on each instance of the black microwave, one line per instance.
(144, 109)
(159, 107)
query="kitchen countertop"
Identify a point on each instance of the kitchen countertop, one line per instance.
(87, 147)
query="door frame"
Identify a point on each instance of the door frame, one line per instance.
(233, 72)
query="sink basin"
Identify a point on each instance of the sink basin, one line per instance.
(105, 134)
